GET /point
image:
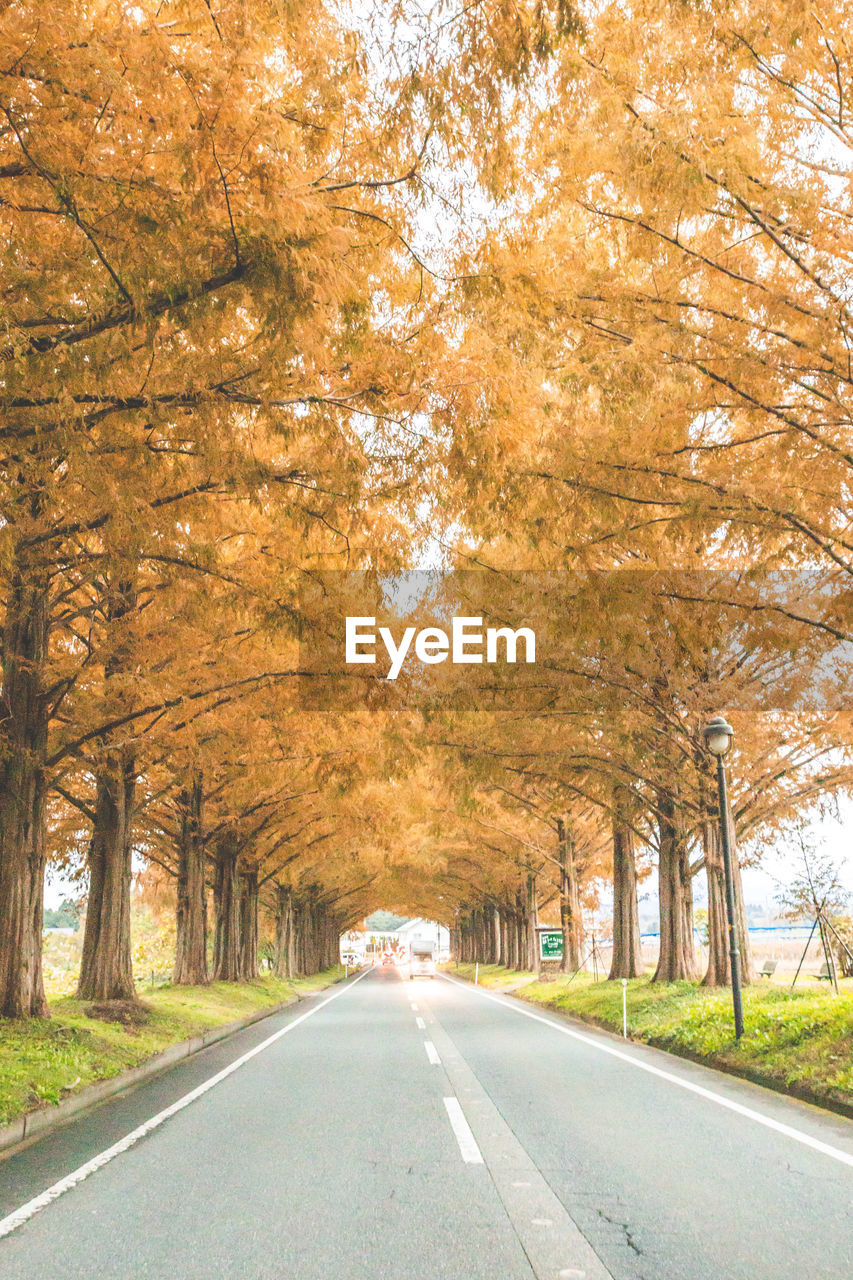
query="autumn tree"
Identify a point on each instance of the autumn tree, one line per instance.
(200, 211)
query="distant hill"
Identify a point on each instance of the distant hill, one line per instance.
(65, 916)
(385, 920)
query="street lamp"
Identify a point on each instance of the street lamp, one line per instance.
(718, 737)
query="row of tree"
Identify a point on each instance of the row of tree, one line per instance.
(671, 424)
(287, 290)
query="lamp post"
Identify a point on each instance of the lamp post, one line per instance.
(718, 737)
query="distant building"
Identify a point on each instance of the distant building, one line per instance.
(367, 944)
(420, 930)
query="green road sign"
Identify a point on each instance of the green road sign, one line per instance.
(550, 944)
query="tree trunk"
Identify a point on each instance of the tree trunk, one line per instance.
(283, 930)
(106, 971)
(249, 924)
(307, 916)
(333, 953)
(310, 935)
(316, 923)
(23, 746)
(677, 959)
(306, 934)
(520, 938)
(718, 973)
(293, 938)
(226, 948)
(570, 915)
(532, 922)
(191, 950)
(747, 968)
(479, 934)
(326, 956)
(509, 939)
(295, 959)
(302, 917)
(627, 960)
(305, 931)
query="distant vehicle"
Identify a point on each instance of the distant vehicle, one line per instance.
(388, 957)
(422, 961)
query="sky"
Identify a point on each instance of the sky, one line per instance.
(833, 836)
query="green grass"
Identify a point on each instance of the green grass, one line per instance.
(44, 1059)
(799, 1040)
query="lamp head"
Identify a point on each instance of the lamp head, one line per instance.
(718, 736)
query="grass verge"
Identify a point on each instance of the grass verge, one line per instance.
(44, 1059)
(798, 1041)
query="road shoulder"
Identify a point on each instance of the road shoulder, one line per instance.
(510, 989)
(37, 1122)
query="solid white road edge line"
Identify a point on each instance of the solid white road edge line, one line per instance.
(19, 1216)
(471, 1153)
(432, 1053)
(835, 1153)
(420, 1024)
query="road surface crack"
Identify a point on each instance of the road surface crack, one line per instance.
(623, 1226)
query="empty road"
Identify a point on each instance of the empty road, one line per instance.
(396, 1130)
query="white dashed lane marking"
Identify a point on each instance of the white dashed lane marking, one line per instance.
(462, 1131)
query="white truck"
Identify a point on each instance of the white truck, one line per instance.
(422, 958)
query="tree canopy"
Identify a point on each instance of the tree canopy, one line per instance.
(297, 300)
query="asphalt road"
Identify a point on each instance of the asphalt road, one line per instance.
(464, 1139)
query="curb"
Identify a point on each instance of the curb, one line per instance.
(801, 1093)
(35, 1124)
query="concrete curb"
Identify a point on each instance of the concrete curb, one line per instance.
(801, 1093)
(35, 1124)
